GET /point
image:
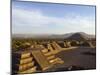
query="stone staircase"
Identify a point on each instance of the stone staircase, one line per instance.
(41, 60)
(56, 46)
(36, 60)
(50, 56)
(23, 62)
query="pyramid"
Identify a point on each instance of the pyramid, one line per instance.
(78, 37)
(30, 61)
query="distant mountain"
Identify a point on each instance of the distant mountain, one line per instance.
(80, 36)
(30, 36)
(75, 36)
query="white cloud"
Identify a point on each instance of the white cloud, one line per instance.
(22, 17)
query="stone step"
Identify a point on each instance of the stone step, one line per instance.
(48, 54)
(24, 66)
(26, 60)
(50, 47)
(56, 46)
(21, 54)
(25, 55)
(30, 70)
(56, 60)
(45, 50)
(50, 57)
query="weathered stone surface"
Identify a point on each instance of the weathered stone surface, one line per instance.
(50, 57)
(41, 59)
(44, 50)
(24, 61)
(25, 66)
(21, 54)
(30, 70)
(56, 60)
(56, 46)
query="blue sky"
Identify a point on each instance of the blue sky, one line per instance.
(46, 18)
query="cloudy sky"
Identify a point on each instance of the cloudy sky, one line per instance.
(46, 18)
